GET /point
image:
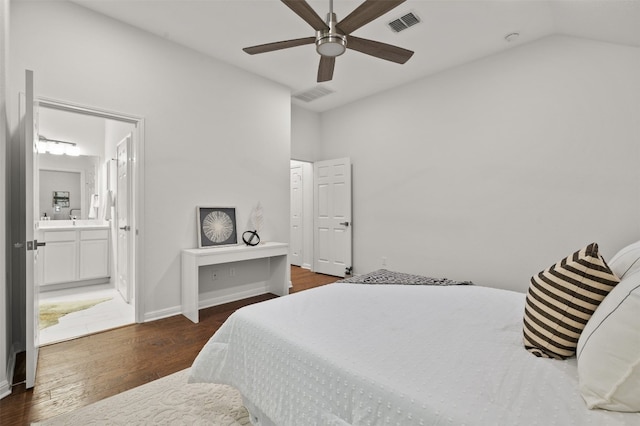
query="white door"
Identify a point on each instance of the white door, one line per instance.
(332, 216)
(123, 215)
(29, 143)
(295, 246)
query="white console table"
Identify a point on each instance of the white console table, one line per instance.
(193, 259)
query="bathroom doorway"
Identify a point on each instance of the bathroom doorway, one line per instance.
(87, 300)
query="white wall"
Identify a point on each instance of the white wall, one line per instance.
(5, 315)
(305, 134)
(496, 169)
(214, 135)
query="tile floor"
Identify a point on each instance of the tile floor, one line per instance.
(103, 316)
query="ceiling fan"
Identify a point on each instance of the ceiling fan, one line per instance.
(333, 38)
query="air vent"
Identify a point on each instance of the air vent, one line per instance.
(404, 22)
(313, 94)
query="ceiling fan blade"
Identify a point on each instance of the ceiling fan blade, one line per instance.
(379, 50)
(365, 13)
(270, 47)
(303, 10)
(325, 70)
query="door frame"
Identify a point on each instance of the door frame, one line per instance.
(137, 186)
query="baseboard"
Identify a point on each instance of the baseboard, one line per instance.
(5, 385)
(220, 297)
(74, 284)
(214, 298)
(11, 365)
(306, 266)
(162, 313)
(5, 389)
(18, 347)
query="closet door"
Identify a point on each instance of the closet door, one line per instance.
(332, 217)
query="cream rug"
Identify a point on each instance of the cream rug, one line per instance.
(50, 313)
(167, 401)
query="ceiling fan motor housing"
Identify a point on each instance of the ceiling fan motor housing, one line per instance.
(331, 42)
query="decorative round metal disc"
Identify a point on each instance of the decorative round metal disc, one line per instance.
(253, 239)
(217, 226)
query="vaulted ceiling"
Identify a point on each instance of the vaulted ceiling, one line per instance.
(451, 32)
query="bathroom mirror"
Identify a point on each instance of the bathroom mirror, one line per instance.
(67, 184)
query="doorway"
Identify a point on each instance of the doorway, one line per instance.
(301, 215)
(320, 216)
(90, 302)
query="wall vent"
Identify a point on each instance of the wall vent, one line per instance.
(313, 94)
(404, 22)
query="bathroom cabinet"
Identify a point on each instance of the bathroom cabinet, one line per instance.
(59, 257)
(94, 253)
(74, 255)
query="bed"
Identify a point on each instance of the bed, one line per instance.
(394, 354)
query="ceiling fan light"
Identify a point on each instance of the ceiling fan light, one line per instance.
(331, 45)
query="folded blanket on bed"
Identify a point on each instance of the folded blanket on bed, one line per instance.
(382, 276)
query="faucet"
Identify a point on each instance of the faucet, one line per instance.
(73, 219)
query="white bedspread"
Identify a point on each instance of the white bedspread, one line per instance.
(350, 354)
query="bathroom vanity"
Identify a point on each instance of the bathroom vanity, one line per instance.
(76, 253)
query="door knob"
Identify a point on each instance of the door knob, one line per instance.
(344, 223)
(125, 228)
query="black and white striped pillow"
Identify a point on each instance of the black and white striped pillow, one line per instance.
(561, 299)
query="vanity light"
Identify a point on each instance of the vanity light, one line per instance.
(43, 146)
(72, 150)
(56, 147)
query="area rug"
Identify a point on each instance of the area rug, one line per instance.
(167, 401)
(50, 313)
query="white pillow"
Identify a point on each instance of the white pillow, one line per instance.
(626, 261)
(608, 350)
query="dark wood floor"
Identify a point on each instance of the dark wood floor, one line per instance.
(78, 372)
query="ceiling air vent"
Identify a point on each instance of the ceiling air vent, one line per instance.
(312, 94)
(404, 22)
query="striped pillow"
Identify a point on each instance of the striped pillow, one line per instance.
(561, 299)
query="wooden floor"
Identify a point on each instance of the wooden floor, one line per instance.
(78, 372)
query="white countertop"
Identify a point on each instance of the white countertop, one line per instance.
(66, 225)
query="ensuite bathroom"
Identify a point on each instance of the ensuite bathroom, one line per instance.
(83, 197)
